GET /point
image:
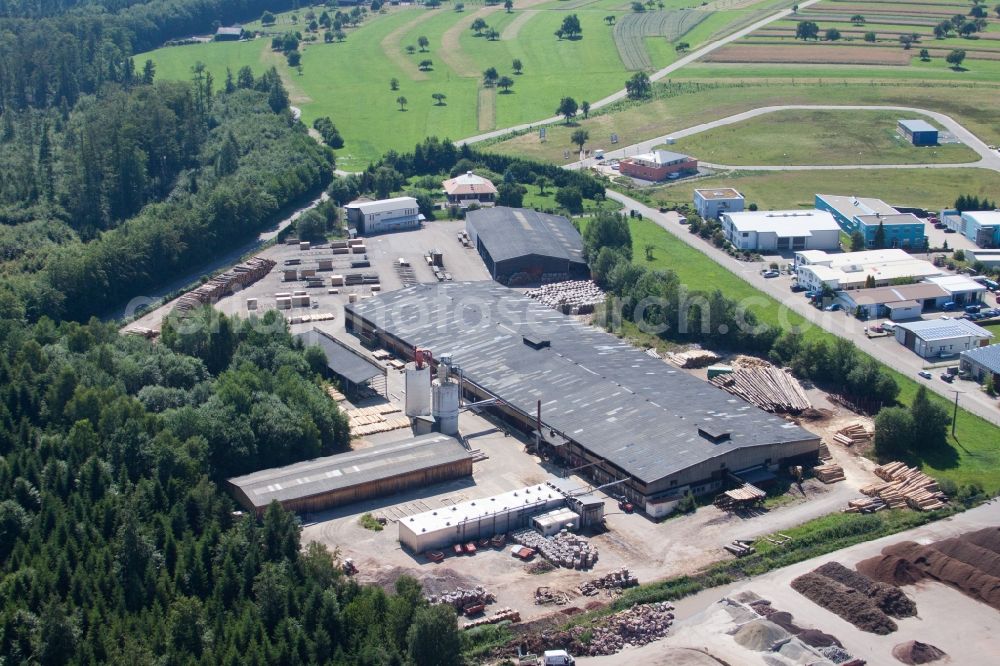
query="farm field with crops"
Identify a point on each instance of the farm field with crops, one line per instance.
(632, 31)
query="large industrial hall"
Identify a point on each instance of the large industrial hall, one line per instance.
(618, 415)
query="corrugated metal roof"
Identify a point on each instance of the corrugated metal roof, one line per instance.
(509, 233)
(614, 400)
(322, 475)
(343, 361)
(942, 329)
(383, 205)
(988, 357)
(918, 125)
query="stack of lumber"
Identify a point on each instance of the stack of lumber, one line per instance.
(335, 395)
(829, 473)
(824, 452)
(744, 496)
(906, 486)
(239, 275)
(570, 297)
(695, 358)
(743, 361)
(853, 434)
(391, 423)
(366, 421)
(865, 505)
(770, 388)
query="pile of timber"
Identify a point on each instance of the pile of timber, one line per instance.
(240, 275)
(829, 473)
(695, 358)
(866, 505)
(824, 452)
(740, 547)
(743, 361)
(365, 421)
(906, 486)
(768, 387)
(335, 395)
(501, 615)
(853, 434)
(569, 297)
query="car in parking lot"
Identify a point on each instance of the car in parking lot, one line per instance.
(949, 378)
(925, 374)
(832, 307)
(771, 274)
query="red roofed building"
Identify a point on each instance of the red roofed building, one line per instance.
(470, 188)
(657, 165)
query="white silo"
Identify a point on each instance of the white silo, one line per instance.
(418, 387)
(446, 398)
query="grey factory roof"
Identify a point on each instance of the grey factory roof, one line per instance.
(988, 357)
(918, 125)
(892, 218)
(614, 400)
(340, 359)
(323, 475)
(942, 329)
(508, 233)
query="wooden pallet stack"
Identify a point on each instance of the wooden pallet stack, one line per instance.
(770, 388)
(906, 486)
(829, 473)
(853, 434)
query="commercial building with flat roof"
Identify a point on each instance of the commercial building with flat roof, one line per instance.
(896, 302)
(521, 246)
(782, 230)
(858, 270)
(932, 338)
(384, 215)
(961, 290)
(605, 406)
(980, 363)
(712, 203)
(982, 227)
(864, 215)
(378, 471)
(657, 165)
(990, 258)
(918, 132)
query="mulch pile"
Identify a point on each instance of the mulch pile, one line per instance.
(853, 606)
(887, 597)
(970, 563)
(915, 652)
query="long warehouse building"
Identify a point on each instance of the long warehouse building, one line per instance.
(386, 469)
(627, 417)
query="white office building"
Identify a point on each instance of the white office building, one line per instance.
(782, 230)
(858, 270)
(710, 204)
(378, 217)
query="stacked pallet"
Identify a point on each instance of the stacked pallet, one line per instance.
(768, 387)
(829, 473)
(696, 358)
(906, 486)
(853, 434)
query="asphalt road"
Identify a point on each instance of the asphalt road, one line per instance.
(989, 159)
(656, 76)
(886, 349)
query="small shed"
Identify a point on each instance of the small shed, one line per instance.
(553, 522)
(903, 310)
(229, 33)
(919, 132)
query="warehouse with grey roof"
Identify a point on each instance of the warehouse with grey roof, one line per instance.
(378, 471)
(604, 407)
(521, 246)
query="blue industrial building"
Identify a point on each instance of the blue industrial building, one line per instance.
(902, 230)
(919, 132)
(982, 227)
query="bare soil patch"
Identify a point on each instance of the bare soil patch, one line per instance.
(514, 27)
(810, 54)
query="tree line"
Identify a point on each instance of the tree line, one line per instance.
(116, 542)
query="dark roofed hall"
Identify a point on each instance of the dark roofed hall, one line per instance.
(601, 398)
(343, 361)
(521, 246)
(350, 477)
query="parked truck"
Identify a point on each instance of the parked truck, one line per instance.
(557, 658)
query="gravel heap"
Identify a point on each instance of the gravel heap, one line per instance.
(760, 635)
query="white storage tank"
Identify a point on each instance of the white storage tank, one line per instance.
(418, 390)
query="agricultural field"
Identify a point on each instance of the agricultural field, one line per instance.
(927, 188)
(890, 33)
(349, 81)
(817, 138)
(632, 32)
(680, 105)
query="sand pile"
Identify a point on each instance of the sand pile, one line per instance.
(848, 603)
(915, 652)
(760, 635)
(971, 569)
